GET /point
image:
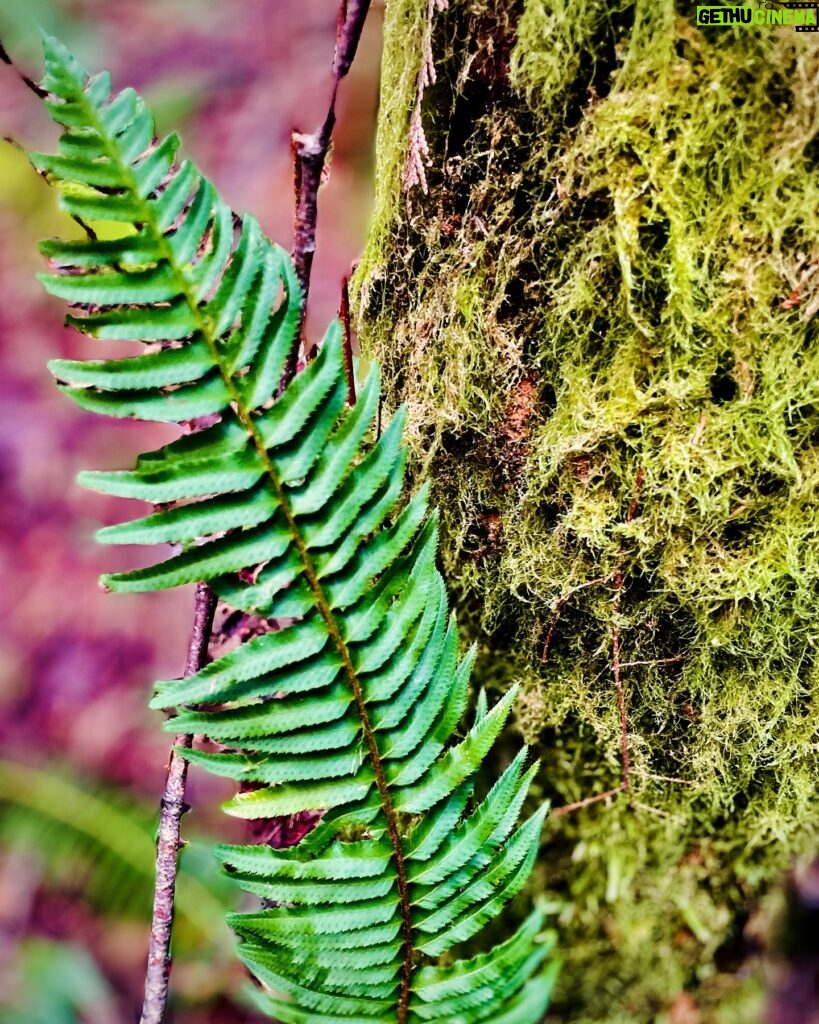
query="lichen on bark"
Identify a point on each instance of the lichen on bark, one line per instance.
(615, 274)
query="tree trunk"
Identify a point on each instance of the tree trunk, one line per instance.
(602, 318)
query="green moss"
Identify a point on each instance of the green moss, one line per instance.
(616, 272)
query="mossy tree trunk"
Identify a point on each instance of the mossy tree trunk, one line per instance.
(602, 317)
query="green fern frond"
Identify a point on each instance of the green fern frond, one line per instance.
(107, 840)
(286, 506)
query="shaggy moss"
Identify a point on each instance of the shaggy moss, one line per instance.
(614, 279)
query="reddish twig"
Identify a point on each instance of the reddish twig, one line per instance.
(309, 153)
(616, 578)
(344, 315)
(580, 804)
(639, 480)
(168, 841)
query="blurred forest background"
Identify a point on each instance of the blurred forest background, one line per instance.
(82, 761)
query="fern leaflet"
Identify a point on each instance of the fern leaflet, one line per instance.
(286, 506)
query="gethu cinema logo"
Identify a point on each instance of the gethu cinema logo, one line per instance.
(803, 16)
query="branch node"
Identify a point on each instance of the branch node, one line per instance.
(310, 154)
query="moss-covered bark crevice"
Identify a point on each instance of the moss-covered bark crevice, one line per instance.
(615, 272)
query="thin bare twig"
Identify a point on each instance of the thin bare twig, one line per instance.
(664, 778)
(168, 842)
(580, 804)
(558, 608)
(654, 661)
(309, 153)
(639, 480)
(650, 809)
(617, 579)
(344, 315)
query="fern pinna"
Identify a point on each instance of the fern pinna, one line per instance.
(286, 505)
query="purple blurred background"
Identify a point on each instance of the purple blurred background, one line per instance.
(82, 760)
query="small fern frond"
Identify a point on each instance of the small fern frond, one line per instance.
(105, 840)
(286, 506)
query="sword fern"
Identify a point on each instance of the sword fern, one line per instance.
(288, 507)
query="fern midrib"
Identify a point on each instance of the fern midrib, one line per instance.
(205, 326)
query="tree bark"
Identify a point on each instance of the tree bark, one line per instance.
(610, 286)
